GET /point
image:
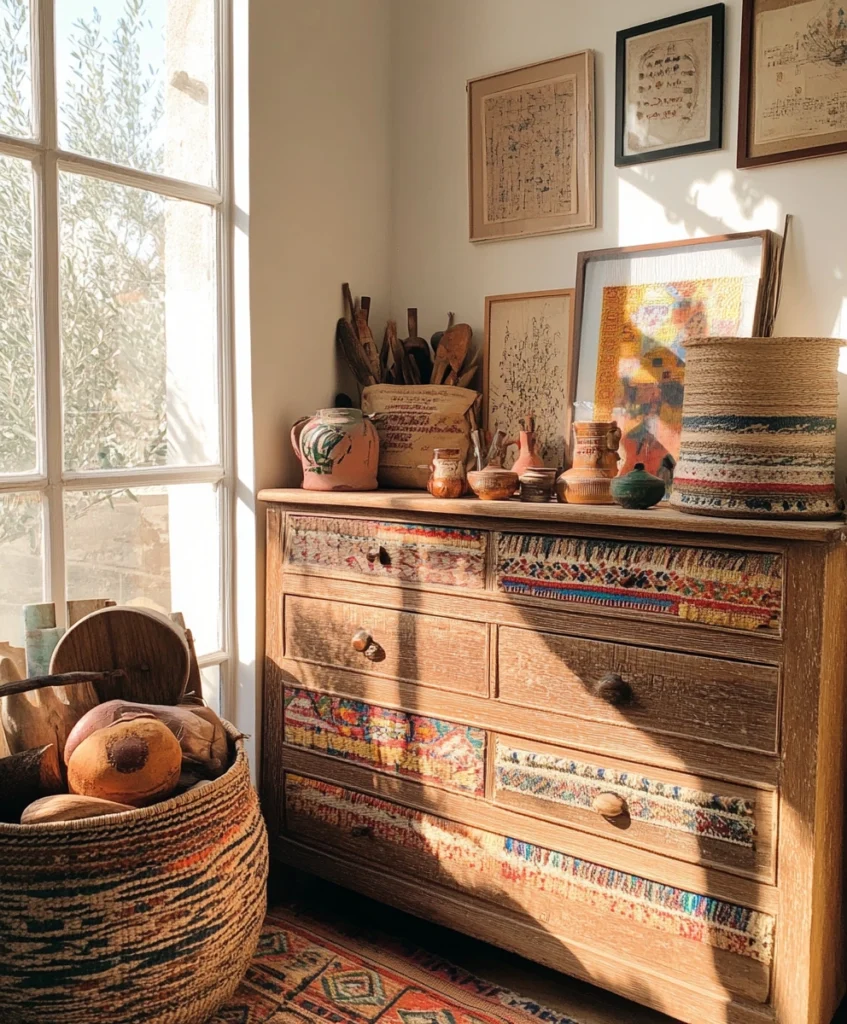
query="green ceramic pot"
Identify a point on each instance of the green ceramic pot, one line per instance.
(638, 489)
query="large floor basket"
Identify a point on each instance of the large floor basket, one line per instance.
(150, 916)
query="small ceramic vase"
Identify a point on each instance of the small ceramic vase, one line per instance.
(638, 489)
(446, 474)
(595, 464)
(493, 483)
(338, 450)
(537, 484)
(527, 455)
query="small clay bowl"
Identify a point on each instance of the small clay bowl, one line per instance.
(493, 483)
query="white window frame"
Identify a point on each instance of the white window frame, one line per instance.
(50, 478)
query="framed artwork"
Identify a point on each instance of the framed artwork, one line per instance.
(669, 87)
(531, 149)
(793, 100)
(636, 307)
(528, 363)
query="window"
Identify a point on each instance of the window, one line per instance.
(114, 342)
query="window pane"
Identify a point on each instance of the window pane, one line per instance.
(21, 561)
(135, 82)
(210, 677)
(139, 327)
(155, 547)
(15, 69)
(17, 345)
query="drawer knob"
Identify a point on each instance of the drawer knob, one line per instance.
(609, 805)
(365, 644)
(380, 555)
(361, 831)
(613, 689)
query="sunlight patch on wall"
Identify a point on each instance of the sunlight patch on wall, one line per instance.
(738, 203)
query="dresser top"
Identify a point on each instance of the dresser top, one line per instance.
(667, 520)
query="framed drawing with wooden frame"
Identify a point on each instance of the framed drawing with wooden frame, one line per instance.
(669, 87)
(531, 149)
(793, 99)
(528, 360)
(635, 309)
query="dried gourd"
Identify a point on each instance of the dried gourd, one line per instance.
(67, 807)
(200, 732)
(135, 761)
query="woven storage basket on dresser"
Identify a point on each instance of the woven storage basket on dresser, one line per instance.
(149, 916)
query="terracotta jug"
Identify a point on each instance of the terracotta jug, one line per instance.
(446, 473)
(527, 458)
(595, 464)
(338, 450)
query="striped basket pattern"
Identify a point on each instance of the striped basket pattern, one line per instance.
(758, 428)
(149, 916)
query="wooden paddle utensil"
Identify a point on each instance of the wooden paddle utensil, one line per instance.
(417, 348)
(451, 354)
(147, 646)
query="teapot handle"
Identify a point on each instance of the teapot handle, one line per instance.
(296, 431)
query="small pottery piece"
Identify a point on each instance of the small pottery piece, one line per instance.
(638, 489)
(338, 449)
(537, 484)
(527, 455)
(447, 474)
(493, 483)
(595, 464)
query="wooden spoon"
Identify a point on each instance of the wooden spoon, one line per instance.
(452, 350)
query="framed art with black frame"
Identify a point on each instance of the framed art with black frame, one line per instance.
(669, 87)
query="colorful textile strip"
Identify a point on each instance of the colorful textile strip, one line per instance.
(408, 552)
(425, 749)
(439, 842)
(739, 589)
(562, 780)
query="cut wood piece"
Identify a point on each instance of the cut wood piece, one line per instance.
(367, 345)
(452, 350)
(469, 372)
(403, 372)
(25, 777)
(365, 306)
(194, 686)
(146, 645)
(349, 306)
(17, 655)
(79, 609)
(435, 340)
(69, 807)
(348, 342)
(417, 348)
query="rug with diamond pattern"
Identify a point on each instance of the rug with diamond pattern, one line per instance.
(305, 972)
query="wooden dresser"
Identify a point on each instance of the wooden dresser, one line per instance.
(610, 741)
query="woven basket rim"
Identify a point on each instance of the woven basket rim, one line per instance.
(725, 340)
(139, 814)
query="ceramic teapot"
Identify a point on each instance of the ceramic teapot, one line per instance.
(338, 450)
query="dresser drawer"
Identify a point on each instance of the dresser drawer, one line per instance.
(699, 820)
(706, 698)
(409, 553)
(737, 589)
(424, 749)
(667, 930)
(427, 649)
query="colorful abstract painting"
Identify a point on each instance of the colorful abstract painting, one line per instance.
(641, 358)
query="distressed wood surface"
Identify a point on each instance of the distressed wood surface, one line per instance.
(722, 700)
(446, 653)
(665, 520)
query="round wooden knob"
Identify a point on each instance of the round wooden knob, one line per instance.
(380, 555)
(361, 640)
(613, 689)
(610, 805)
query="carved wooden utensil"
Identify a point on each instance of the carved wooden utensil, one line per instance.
(149, 648)
(417, 348)
(451, 354)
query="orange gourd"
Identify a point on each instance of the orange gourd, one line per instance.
(134, 762)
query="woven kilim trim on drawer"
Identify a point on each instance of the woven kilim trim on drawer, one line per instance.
(740, 589)
(686, 915)
(562, 780)
(425, 749)
(408, 552)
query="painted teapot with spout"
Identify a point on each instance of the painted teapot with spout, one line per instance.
(338, 450)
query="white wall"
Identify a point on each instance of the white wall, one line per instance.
(438, 44)
(314, 213)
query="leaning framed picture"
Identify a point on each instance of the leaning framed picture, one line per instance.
(669, 87)
(793, 97)
(636, 307)
(528, 366)
(531, 149)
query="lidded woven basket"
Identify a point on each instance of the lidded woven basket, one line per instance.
(147, 916)
(758, 428)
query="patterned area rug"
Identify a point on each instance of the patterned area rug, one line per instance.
(305, 971)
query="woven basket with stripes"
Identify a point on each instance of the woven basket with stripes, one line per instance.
(148, 916)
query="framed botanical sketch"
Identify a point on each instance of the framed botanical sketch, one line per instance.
(669, 87)
(528, 365)
(531, 149)
(793, 100)
(636, 308)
